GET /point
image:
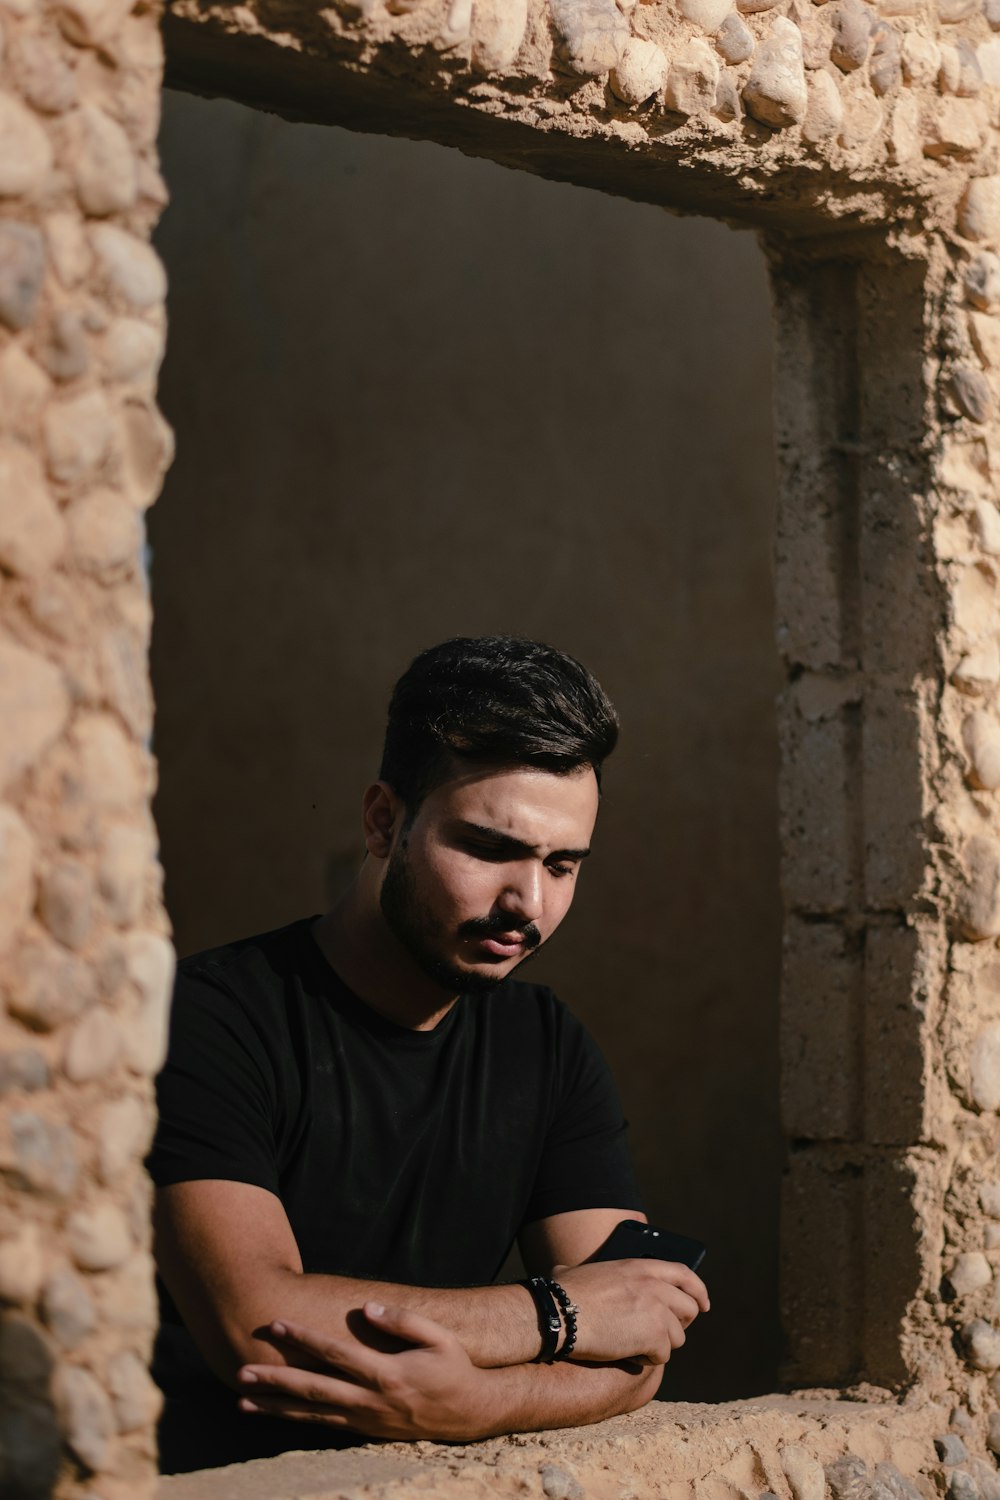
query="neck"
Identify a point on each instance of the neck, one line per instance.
(355, 940)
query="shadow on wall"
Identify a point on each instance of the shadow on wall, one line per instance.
(415, 396)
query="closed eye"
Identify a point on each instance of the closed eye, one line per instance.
(497, 853)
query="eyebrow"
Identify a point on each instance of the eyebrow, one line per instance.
(516, 846)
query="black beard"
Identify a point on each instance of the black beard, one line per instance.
(409, 924)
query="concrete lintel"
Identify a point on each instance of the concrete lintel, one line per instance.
(306, 65)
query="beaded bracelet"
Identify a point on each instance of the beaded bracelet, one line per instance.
(549, 1319)
(569, 1312)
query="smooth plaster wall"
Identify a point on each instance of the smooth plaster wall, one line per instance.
(418, 395)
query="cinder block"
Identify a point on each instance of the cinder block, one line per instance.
(807, 599)
(822, 1266)
(898, 594)
(815, 392)
(901, 1197)
(900, 968)
(892, 759)
(822, 978)
(816, 810)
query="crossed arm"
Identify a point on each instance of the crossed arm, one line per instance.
(401, 1361)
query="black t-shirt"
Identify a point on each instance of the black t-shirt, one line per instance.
(399, 1155)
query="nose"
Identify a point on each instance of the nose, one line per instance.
(521, 897)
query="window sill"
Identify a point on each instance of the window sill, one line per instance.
(666, 1451)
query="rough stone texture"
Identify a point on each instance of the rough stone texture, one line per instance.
(81, 335)
(67, 1308)
(98, 1238)
(735, 40)
(22, 266)
(86, 1416)
(17, 857)
(982, 1343)
(775, 92)
(888, 447)
(852, 33)
(708, 15)
(970, 1272)
(979, 908)
(724, 1451)
(951, 1449)
(984, 1068)
(824, 110)
(592, 35)
(804, 1473)
(692, 80)
(25, 152)
(639, 73)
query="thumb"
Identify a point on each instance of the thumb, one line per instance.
(411, 1327)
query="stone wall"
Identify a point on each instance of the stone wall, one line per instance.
(863, 141)
(85, 964)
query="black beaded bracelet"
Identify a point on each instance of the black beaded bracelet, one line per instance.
(549, 1319)
(569, 1312)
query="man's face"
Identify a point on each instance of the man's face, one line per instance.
(487, 870)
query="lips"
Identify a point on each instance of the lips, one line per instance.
(504, 945)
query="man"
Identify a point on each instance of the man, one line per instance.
(360, 1113)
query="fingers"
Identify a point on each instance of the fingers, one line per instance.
(345, 1354)
(412, 1327)
(298, 1411)
(678, 1338)
(683, 1277)
(683, 1305)
(263, 1382)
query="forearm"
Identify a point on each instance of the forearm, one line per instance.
(496, 1325)
(533, 1398)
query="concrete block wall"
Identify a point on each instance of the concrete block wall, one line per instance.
(85, 962)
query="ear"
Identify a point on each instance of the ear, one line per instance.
(382, 815)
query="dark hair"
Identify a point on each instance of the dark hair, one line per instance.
(495, 700)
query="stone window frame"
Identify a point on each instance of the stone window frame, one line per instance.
(861, 144)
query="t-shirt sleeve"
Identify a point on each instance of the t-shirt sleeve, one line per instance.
(585, 1160)
(216, 1093)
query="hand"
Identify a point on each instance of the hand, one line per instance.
(429, 1390)
(632, 1309)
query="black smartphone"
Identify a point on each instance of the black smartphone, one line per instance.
(631, 1240)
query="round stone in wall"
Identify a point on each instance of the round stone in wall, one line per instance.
(87, 1419)
(98, 1238)
(735, 40)
(67, 1308)
(981, 733)
(804, 1473)
(979, 210)
(25, 152)
(22, 1265)
(17, 858)
(982, 1345)
(775, 92)
(984, 1067)
(639, 73)
(978, 905)
(708, 14)
(969, 1274)
(848, 1478)
(22, 267)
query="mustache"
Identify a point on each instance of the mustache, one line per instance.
(482, 927)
